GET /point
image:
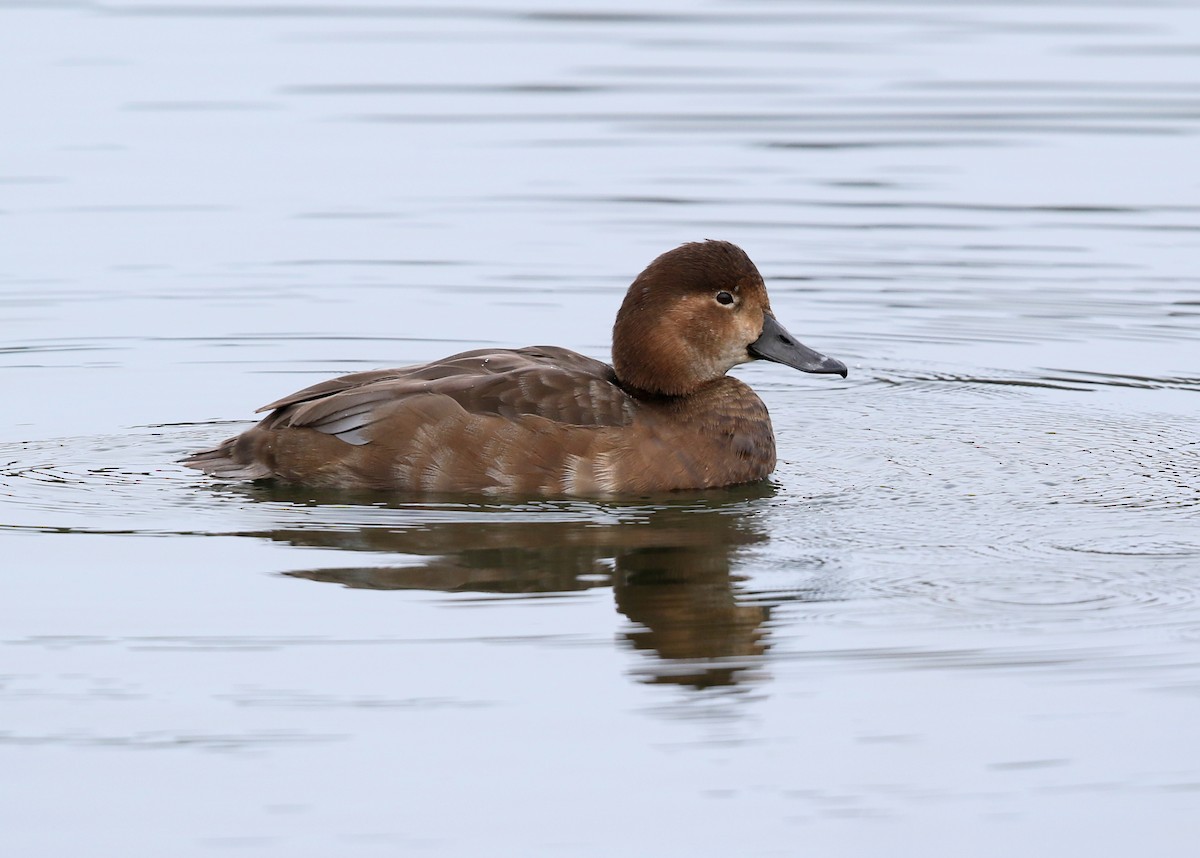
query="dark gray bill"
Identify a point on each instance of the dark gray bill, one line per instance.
(778, 345)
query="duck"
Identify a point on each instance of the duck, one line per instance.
(545, 421)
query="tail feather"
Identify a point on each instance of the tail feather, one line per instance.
(225, 462)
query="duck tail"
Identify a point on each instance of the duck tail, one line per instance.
(230, 461)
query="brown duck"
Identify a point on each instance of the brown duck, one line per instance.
(544, 420)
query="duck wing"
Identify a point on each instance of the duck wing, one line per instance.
(543, 381)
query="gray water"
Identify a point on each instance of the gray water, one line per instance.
(963, 618)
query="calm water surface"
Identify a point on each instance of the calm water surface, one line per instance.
(962, 619)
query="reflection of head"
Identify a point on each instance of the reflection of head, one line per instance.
(685, 602)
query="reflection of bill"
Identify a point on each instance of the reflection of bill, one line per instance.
(670, 565)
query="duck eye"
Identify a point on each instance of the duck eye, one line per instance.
(724, 298)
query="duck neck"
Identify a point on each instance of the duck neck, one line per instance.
(650, 396)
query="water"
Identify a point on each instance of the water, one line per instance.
(963, 616)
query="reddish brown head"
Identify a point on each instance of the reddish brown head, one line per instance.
(693, 314)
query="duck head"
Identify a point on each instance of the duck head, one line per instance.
(695, 313)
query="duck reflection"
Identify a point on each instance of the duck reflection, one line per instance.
(684, 602)
(671, 566)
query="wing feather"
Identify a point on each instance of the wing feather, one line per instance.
(546, 381)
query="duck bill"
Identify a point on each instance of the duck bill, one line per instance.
(776, 344)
